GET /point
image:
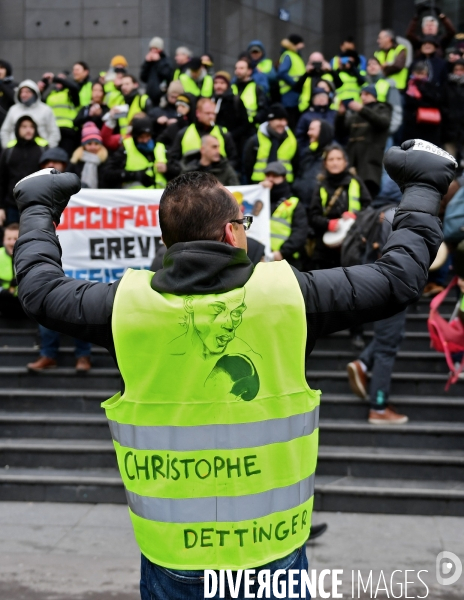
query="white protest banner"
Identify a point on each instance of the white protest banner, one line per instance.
(104, 232)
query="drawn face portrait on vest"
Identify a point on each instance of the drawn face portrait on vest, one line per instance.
(210, 324)
(234, 377)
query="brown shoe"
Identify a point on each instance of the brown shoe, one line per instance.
(42, 363)
(432, 289)
(357, 378)
(388, 417)
(83, 364)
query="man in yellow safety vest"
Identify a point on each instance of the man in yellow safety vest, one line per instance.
(216, 429)
(392, 57)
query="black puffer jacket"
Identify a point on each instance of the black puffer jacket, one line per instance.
(334, 300)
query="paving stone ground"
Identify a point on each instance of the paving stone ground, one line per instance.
(52, 551)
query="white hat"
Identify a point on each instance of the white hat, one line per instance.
(157, 42)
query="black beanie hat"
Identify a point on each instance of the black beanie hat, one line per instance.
(295, 38)
(143, 125)
(277, 111)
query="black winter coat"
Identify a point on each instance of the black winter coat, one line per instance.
(15, 163)
(453, 110)
(157, 75)
(7, 92)
(334, 300)
(368, 133)
(233, 116)
(324, 257)
(431, 98)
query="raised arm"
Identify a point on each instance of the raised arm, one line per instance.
(340, 298)
(78, 308)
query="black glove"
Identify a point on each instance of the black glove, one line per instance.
(422, 171)
(49, 188)
(146, 180)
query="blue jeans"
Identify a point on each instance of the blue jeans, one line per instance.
(50, 343)
(379, 357)
(158, 583)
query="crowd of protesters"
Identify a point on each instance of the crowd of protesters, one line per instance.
(310, 129)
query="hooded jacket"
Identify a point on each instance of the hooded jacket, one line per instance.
(17, 162)
(265, 79)
(38, 110)
(7, 90)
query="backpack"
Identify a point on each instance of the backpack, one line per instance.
(446, 336)
(453, 223)
(358, 244)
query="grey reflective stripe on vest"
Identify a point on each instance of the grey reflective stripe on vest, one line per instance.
(221, 509)
(279, 236)
(280, 220)
(215, 437)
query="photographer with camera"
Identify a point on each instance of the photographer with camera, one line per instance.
(317, 68)
(430, 16)
(348, 79)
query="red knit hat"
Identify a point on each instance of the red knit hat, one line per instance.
(90, 133)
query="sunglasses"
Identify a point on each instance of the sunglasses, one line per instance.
(246, 222)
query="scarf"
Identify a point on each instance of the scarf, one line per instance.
(89, 175)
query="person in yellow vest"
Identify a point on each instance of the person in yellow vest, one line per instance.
(195, 79)
(252, 96)
(138, 163)
(273, 141)
(263, 66)
(339, 195)
(81, 76)
(10, 307)
(188, 139)
(182, 58)
(20, 158)
(289, 224)
(348, 43)
(317, 69)
(291, 68)
(96, 110)
(217, 463)
(62, 96)
(134, 100)
(392, 57)
(348, 79)
(112, 80)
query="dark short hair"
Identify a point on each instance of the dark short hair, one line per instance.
(134, 79)
(11, 227)
(246, 60)
(83, 64)
(194, 207)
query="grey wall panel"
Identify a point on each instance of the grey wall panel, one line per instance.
(51, 55)
(110, 23)
(13, 51)
(11, 19)
(98, 53)
(113, 4)
(53, 4)
(46, 24)
(155, 19)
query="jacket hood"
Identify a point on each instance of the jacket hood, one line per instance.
(203, 267)
(6, 65)
(258, 43)
(20, 120)
(287, 45)
(29, 84)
